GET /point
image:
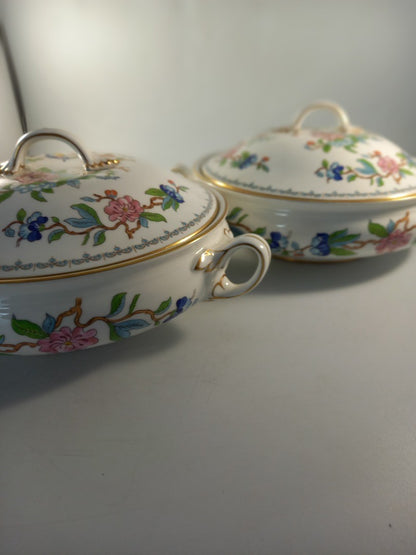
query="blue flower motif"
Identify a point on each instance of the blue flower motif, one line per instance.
(246, 162)
(10, 232)
(29, 187)
(319, 245)
(278, 241)
(172, 192)
(334, 171)
(182, 304)
(344, 141)
(30, 229)
(74, 183)
(236, 230)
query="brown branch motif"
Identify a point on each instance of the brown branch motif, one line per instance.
(387, 166)
(384, 238)
(122, 211)
(51, 336)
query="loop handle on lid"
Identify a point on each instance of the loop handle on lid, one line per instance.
(344, 125)
(17, 159)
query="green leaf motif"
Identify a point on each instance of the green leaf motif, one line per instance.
(84, 209)
(117, 303)
(339, 251)
(85, 241)
(325, 164)
(351, 178)
(37, 195)
(28, 329)
(55, 219)
(153, 217)
(338, 234)
(5, 195)
(133, 303)
(164, 306)
(367, 167)
(342, 237)
(234, 213)
(167, 204)
(155, 192)
(21, 215)
(99, 238)
(377, 229)
(55, 235)
(326, 148)
(260, 231)
(404, 171)
(113, 334)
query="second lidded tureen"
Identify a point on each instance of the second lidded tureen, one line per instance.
(318, 195)
(95, 248)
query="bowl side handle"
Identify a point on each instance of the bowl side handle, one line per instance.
(214, 263)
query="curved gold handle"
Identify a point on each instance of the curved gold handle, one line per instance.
(18, 156)
(344, 125)
(215, 263)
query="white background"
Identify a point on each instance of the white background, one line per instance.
(281, 422)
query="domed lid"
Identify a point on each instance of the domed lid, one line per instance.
(64, 215)
(347, 164)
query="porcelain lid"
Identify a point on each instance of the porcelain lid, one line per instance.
(80, 213)
(347, 164)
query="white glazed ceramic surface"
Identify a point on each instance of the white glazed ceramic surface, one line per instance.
(61, 214)
(319, 195)
(91, 256)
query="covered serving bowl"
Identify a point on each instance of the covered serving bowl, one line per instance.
(318, 195)
(95, 248)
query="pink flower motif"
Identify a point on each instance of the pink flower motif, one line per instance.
(328, 135)
(388, 164)
(65, 340)
(123, 208)
(34, 177)
(396, 240)
(233, 151)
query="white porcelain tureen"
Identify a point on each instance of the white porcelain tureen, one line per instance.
(95, 248)
(318, 195)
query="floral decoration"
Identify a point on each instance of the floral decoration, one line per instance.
(376, 167)
(326, 140)
(394, 236)
(42, 181)
(31, 228)
(70, 331)
(244, 160)
(121, 211)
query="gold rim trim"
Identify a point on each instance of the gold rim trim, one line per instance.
(201, 174)
(206, 228)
